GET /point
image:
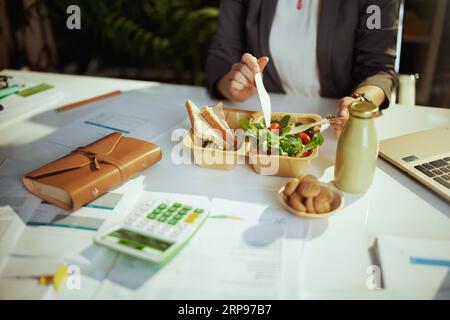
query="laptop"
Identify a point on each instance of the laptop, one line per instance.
(424, 155)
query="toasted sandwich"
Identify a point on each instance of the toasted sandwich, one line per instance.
(209, 125)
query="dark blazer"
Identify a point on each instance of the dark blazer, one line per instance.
(349, 55)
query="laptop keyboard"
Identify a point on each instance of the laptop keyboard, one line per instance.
(438, 170)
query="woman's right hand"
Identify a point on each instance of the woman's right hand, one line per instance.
(239, 83)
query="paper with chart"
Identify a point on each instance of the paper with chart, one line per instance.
(90, 217)
(35, 212)
(48, 231)
(236, 254)
(115, 121)
(134, 114)
(50, 222)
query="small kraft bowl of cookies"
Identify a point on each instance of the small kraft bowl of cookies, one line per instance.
(309, 198)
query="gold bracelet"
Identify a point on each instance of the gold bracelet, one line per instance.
(361, 97)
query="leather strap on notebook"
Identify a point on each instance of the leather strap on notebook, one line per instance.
(97, 157)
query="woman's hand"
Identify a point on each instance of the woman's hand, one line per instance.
(342, 113)
(376, 95)
(239, 83)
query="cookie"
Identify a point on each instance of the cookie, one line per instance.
(308, 189)
(308, 177)
(322, 203)
(327, 193)
(291, 186)
(309, 203)
(330, 194)
(295, 202)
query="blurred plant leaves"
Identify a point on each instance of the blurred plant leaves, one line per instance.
(171, 35)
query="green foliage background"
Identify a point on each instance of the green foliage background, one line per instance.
(161, 35)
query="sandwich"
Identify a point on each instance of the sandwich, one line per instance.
(209, 126)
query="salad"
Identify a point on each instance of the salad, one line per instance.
(276, 139)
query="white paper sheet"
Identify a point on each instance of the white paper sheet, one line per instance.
(63, 227)
(13, 289)
(17, 108)
(237, 254)
(76, 135)
(111, 208)
(15, 282)
(131, 113)
(12, 191)
(412, 280)
(57, 242)
(11, 227)
(115, 121)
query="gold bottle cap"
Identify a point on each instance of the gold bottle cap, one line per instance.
(363, 109)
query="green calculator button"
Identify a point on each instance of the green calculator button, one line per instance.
(152, 216)
(198, 210)
(187, 208)
(177, 205)
(167, 214)
(156, 211)
(173, 222)
(172, 209)
(162, 219)
(162, 206)
(178, 216)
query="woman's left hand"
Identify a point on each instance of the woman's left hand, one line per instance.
(342, 113)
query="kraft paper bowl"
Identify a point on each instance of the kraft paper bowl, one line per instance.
(336, 205)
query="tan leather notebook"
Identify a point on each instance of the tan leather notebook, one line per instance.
(88, 172)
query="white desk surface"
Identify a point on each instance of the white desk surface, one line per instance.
(336, 256)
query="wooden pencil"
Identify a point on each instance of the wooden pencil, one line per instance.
(88, 101)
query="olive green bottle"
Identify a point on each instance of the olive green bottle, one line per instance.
(357, 149)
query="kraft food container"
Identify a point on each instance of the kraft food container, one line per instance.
(211, 158)
(283, 166)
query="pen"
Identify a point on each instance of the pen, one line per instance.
(88, 101)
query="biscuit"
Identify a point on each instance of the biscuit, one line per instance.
(308, 177)
(297, 195)
(322, 202)
(295, 202)
(327, 193)
(330, 194)
(308, 189)
(309, 203)
(291, 186)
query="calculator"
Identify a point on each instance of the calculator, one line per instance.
(156, 231)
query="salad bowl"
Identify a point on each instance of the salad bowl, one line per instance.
(286, 165)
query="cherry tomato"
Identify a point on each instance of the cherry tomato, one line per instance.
(275, 127)
(305, 138)
(306, 154)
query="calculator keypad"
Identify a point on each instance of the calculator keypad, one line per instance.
(168, 220)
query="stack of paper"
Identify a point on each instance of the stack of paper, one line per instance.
(34, 234)
(415, 268)
(238, 253)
